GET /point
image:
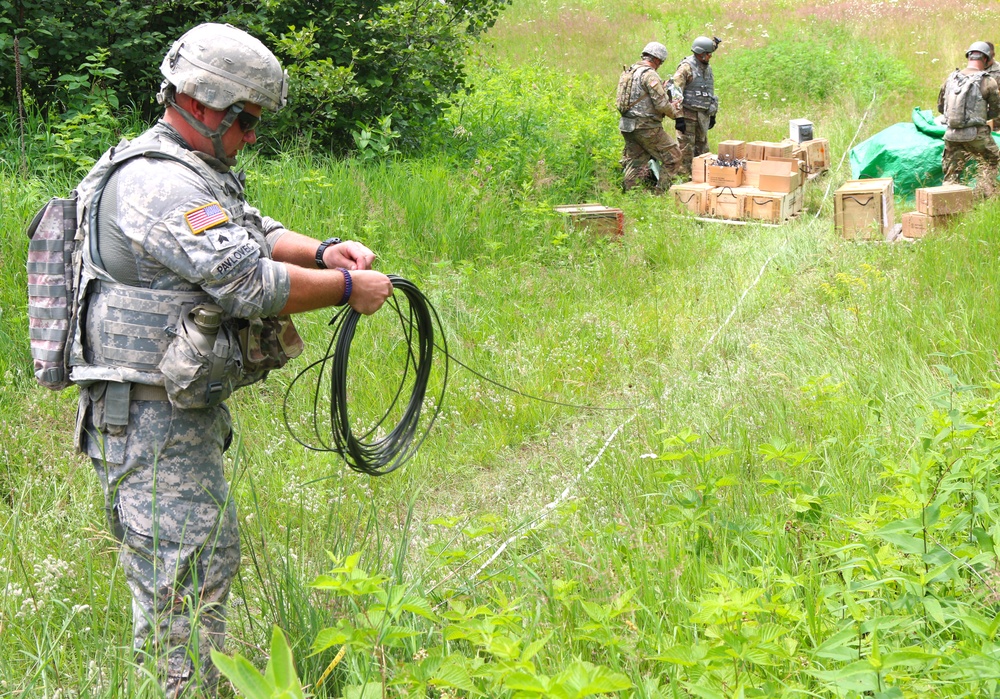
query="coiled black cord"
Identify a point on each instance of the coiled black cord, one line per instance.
(381, 455)
(368, 453)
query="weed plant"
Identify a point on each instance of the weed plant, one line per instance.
(796, 499)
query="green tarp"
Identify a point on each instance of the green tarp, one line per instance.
(910, 153)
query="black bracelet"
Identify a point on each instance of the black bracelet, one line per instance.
(348, 285)
(322, 249)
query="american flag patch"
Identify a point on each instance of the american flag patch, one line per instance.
(204, 217)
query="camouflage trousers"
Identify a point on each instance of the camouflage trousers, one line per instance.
(694, 140)
(644, 144)
(166, 501)
(984, 150)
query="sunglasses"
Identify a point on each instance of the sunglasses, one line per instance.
(247, 121)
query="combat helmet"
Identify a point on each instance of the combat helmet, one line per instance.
(223, 68)
(704, 44)
(980, 47)
(656, 50)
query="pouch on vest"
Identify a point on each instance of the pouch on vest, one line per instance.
(203, 361)
(268, 343)
(51, 290)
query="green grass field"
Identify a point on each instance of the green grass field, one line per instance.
(777, 479)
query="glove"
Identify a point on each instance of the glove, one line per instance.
(711, 122)
(680, 125)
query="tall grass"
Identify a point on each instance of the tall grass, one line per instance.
(764, 521)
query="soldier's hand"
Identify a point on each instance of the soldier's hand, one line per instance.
(711, 122)
(369, 291)
(680, 125)
(349, 255)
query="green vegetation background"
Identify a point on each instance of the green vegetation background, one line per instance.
(797, 499)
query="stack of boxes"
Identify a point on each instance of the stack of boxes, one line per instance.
(759, 180)
(935, 207)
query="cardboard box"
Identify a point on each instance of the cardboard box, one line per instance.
(778, 150)
(732, 150)
(944, 200)
(772, 207)
(597, 218)
(755, 149)
(728, 202)
(795, 165)
(723, 176)
(751, 173)
(699, 167)
(864, 209)
(800, 130)
(917, 225)
(817, 154)
(779, 176)
(692, 196)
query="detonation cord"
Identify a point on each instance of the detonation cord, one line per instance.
(542, 515)
(378, 455)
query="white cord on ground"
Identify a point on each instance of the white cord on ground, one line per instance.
(565, 494)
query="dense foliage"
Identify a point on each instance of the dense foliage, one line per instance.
(381, 66)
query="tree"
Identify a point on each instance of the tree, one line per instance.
(354, 63)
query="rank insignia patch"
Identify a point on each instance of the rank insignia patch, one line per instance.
(204, 217)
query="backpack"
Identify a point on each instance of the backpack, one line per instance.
(626, 84)
(55, 260)
(52, 249)
(964, 105)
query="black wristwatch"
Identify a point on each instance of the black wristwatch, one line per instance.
(322, 248)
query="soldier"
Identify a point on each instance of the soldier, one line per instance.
(695, 80)
(184, 295)
(968, 99)
(642, 102)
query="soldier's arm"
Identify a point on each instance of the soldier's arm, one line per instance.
(682, 76)
(297, 249)
(657, 93)
(991, 93)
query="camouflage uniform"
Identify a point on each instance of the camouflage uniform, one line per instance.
(973, 142)
(161, 469)
(697, 110)
(642, 129)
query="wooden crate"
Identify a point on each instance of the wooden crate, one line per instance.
(600, 219)
(772, 207)
(692, 196)
(944, 200)
(728, 202)
(864, 209)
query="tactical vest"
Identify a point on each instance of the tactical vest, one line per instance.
(124, 330)
(964, 106)
(699, 92)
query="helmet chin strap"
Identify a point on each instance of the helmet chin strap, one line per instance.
(214, 135)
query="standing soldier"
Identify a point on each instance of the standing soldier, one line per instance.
(184, 295)
(968, 99)
(695, 80)
(642, 101)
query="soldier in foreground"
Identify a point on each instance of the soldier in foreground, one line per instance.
(642, 101)
(695, 80)
(968, 99)
(184, 296)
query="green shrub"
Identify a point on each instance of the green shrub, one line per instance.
(810, 67)
(534, 129)
(354, 62)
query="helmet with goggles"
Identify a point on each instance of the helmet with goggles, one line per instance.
(223, 68)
